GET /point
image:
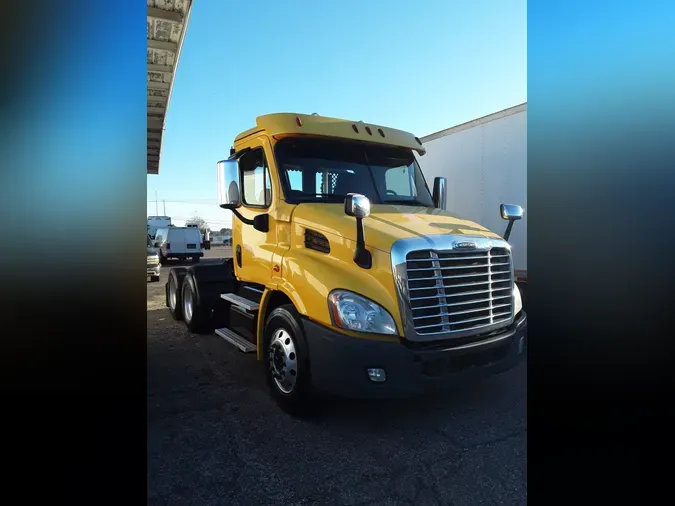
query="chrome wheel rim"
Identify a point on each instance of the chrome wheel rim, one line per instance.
(172, 295)
(187, 305)
(283, 361)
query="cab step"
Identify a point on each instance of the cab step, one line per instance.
(233, 338)
(241, 302)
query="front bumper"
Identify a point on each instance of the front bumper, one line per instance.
(339, 363)
(153, 270)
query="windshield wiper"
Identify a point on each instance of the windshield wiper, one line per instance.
(406, 202)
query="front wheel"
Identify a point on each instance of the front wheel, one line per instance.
(286, 361)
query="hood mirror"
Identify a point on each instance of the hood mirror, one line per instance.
(358, 206)
(440, 192)
(511, 213)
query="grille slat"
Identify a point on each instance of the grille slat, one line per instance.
(475, 292)
(459, 291)
(424, 269)
(458, 276)
(453, 313)
(465, 302)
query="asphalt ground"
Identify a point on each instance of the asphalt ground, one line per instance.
(215, 437)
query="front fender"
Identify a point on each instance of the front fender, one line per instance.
(308, 276)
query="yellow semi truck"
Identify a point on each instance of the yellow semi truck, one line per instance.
(347, 275)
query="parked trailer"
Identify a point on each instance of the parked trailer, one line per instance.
(485, 163)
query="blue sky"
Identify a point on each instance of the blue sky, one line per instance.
(419, 66)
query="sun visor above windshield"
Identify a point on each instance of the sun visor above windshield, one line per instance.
(303, 124)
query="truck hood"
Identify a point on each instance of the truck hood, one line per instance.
(386, 223)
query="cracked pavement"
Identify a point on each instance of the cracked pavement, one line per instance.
(215, 437)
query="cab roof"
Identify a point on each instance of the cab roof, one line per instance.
(283, 124)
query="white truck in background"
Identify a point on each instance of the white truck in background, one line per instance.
(485, 163)
(156, 222)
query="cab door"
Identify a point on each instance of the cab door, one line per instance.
(253, 249)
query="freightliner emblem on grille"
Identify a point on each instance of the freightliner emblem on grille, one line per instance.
(464, 245)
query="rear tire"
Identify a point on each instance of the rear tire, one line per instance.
(197, 316)
(174, 289)
(286, 361)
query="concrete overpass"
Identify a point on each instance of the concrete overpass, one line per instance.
(167, 24)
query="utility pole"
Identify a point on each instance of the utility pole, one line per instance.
(156, 204)
(164, 202)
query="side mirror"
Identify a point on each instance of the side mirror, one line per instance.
(511, 213)
(358, 206)
(229, 194)
(440, 193)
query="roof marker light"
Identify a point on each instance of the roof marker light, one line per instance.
(381, 132)
(368, 130)
(418, 141)
(355, 129)
(298, 121)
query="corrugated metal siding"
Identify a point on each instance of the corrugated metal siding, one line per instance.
(486, 165)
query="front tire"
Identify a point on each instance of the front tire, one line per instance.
(286, 361)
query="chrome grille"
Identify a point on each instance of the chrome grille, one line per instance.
(451, 291)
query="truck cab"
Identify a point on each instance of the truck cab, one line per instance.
(347, 274)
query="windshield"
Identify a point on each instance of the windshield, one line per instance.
(319, 170)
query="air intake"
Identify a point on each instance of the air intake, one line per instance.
(316, 241)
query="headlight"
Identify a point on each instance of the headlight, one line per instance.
(354, 312)
(153, 260)
(518, 301)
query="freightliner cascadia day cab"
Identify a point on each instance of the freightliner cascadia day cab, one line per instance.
(347, 275)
